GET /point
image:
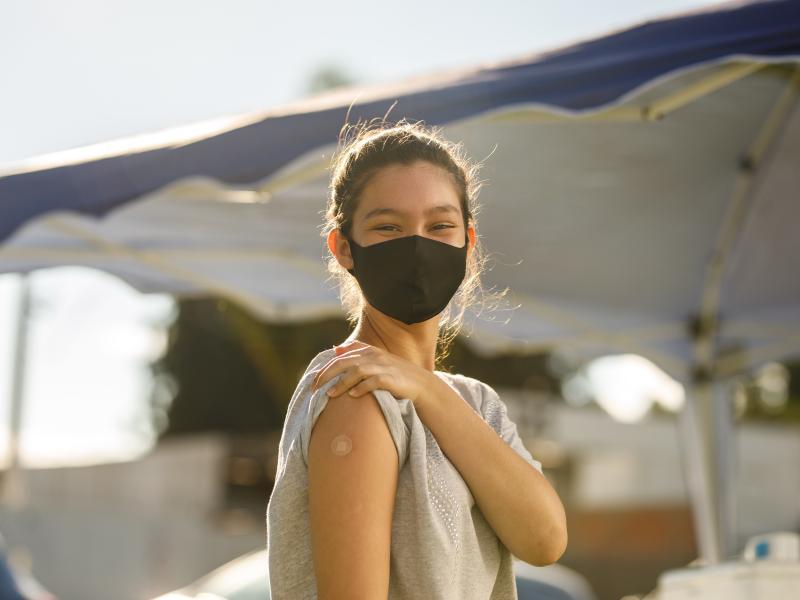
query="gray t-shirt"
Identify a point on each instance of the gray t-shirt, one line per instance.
(442, 547)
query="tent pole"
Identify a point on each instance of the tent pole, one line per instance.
(709, 455)
(698, 468)
(13, 490)
(726, 453)
(706, 420)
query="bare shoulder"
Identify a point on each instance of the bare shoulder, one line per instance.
(352, 475)
(361, 420)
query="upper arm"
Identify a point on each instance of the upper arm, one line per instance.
(351, 499)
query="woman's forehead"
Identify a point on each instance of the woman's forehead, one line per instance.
(419, 188)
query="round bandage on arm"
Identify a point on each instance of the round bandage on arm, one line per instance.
(341, 445)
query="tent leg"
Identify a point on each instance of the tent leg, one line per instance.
(13, 492)
(727, 453)
(709, 454)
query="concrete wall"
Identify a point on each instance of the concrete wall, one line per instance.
(130, 531)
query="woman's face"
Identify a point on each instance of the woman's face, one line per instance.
(415, 199)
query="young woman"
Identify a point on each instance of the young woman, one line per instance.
(396, 480)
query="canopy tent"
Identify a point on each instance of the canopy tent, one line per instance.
(641, 198)
(582, 77)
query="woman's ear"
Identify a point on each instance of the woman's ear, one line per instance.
(340, 248)
(472, 238)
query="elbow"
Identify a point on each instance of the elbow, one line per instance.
(558, 546)
(549, 548)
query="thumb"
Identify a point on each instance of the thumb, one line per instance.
(347, 346)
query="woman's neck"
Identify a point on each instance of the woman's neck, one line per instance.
(416, 343)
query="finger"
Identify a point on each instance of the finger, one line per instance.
(345, 350)
(351, 377)
(370, 353)
(325, 367)
(336, 366)
(314, 384)
(351, 345)
(339, 350)
(375, 382)
(366, 354)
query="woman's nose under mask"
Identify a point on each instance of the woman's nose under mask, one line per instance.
(409, 278)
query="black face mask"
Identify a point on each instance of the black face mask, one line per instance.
(410, 278)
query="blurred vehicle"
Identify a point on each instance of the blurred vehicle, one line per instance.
(16, 583)
(245, 578)
(8, 584)
(553, 582)
(30, 588)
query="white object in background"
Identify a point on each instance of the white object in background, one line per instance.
(781, 545)
(769, 570)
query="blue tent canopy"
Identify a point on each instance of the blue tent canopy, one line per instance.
(580, 77)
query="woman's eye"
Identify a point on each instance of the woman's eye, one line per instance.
(438, 226)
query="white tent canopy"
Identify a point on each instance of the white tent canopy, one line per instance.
(601, 223)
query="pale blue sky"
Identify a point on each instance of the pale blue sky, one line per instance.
(82, 71)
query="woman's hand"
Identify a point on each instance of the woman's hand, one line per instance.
(366, 368)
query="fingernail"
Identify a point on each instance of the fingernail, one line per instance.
(330, 392)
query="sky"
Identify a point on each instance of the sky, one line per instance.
(88, 71)
(87, 382)
(85, 71)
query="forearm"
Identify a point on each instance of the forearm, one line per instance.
(515, 498)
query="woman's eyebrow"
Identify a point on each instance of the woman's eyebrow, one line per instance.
(441, 208)
(381, 211)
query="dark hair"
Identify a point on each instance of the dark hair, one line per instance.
(363, 149)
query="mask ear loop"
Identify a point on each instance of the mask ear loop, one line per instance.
(350, 243)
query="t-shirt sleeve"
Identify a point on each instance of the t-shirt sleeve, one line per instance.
(317, 400)
(495, 413)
